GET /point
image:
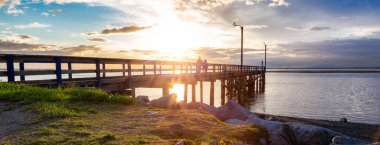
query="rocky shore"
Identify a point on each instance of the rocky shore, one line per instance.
(282, 130)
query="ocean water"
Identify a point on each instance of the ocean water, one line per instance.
(330, 96)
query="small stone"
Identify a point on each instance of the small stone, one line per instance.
(343, 120)
(337, 140)
(179, 143)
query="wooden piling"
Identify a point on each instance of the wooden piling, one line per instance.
(223, 92)
(201, 90)
(193, 92)
(212, 93)
(165, 91)
(185, 93)
(133, 92)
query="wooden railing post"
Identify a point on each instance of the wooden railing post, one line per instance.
(58, 70)
(97, 71)
(22, 68)
(10, 68)
(69, 69)
(213, 68)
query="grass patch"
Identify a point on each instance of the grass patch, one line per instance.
(48, 131)
(53, 110)
(82, 132)
(57, 102)
(30, 94)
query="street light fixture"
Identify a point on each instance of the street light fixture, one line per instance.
(241, 50)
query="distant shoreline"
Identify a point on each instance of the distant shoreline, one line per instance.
(323, 71)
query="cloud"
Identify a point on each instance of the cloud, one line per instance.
(32, 25)
(17, 38)
(294, 28)
(361, 52)
(97, 39)
(77, 50)
(276, 3)
(17, 47)
(256, 26)
(12, 4)
(128, 29)
(2, 3)
(26, 48)
(45, 14)
(319, 28)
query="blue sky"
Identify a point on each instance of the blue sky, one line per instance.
(299, 33)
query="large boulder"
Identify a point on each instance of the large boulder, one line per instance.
(280, 133)
(201, 107)
(232, 110)
(310, 134)
(142, 99)
(168, 101)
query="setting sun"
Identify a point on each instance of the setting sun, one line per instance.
(179, 90)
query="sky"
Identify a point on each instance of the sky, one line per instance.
(298, 33)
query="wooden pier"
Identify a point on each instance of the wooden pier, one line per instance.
(119, 75)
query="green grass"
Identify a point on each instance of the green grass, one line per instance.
(54, 102)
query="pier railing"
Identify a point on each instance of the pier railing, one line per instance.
(63, 67)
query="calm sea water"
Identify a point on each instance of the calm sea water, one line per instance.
(331, 96)
(328, 96)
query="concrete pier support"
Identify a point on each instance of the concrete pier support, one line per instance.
(193, 92)
(212, 93)
(165, 91)
(201, 90)
(185, 93)
(223, 91)
(133, 92)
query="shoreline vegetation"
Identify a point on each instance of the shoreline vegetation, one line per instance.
(36, 115)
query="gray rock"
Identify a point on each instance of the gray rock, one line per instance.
(235, 122)
(343, 120)
(142, 99)
(232, 110)
(179, 143)
(337, 140)
(201, 107)
(169, 101)
(280, 133)
(311, 134)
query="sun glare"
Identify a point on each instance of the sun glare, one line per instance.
(179, 90)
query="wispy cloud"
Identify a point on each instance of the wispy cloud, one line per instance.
(128, 29)
(32, 25)
(17, 38)
(319, 28)
(97, 39)
(297, 28)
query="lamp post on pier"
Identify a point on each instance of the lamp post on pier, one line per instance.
(241, 41)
